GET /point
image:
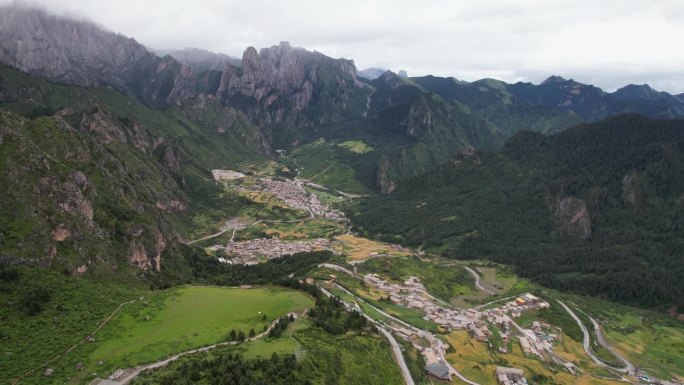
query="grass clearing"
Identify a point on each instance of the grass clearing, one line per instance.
(190, 317)
(356, 146)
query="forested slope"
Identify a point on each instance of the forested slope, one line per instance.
(598, 209)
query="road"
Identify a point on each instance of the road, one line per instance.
(336, 267)
(478, 307)
(398, 355)
(586, 342)
(128, 377)
(477, 281)
(451, 368)
(396, 349)
(628, 366)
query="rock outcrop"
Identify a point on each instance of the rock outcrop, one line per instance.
(276, 84)
(81, 53)
(631, 193)
(384, 176)
(572, 217)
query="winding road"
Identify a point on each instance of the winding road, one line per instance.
(398, 355)
(477, 281)
(628, 367)
(586, 342)
(396, 349)
(452, 370)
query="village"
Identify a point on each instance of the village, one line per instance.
(481, 324)
(292, 193)
(254, 251)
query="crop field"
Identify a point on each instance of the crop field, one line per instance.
(444, 282)
(360, 249)
(346, 359)
(648, 339)
(190, 317)
(658, 348)
(309, 229)
(475, 361)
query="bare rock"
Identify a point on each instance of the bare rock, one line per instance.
(631, 193)
(171, 205)
(572, 217)
(60, 233)
(383, 176)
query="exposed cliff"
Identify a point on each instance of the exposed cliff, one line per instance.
(571, 217)
(81, 53)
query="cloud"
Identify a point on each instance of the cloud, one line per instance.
(609, 43)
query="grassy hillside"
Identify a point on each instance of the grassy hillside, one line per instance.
(596, 209)
(94, 178)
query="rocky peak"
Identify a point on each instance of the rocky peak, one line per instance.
(553, 79)
(283, 72)
(643, 92)
(80, 53)
(202, 60)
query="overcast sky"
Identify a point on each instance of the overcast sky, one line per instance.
(609, 43)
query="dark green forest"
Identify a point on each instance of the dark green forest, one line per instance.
(627, 172)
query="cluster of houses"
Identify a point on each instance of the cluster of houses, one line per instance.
(252, 251)
(412, 294)
(293, 194)
(510, 376)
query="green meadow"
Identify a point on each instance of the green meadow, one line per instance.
(190, 317)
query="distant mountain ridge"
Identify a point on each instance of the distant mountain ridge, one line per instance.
(292, 96)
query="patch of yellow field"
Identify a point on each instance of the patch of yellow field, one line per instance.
(356, 146)
(474, 360)
(360, 249)
(286, 234)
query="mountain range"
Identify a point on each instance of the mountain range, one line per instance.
(108, 137)
(293, 96)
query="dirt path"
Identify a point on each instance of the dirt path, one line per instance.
(477, 281)
(102, 324)
(133, 373)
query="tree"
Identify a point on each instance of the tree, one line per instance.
(252, 333)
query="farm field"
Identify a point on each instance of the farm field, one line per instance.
(360, 249)
(190, 317)
(474, 360)
(441, 281)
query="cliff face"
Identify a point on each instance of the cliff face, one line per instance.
(81, 53)
(572, 218)
(285, 85)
